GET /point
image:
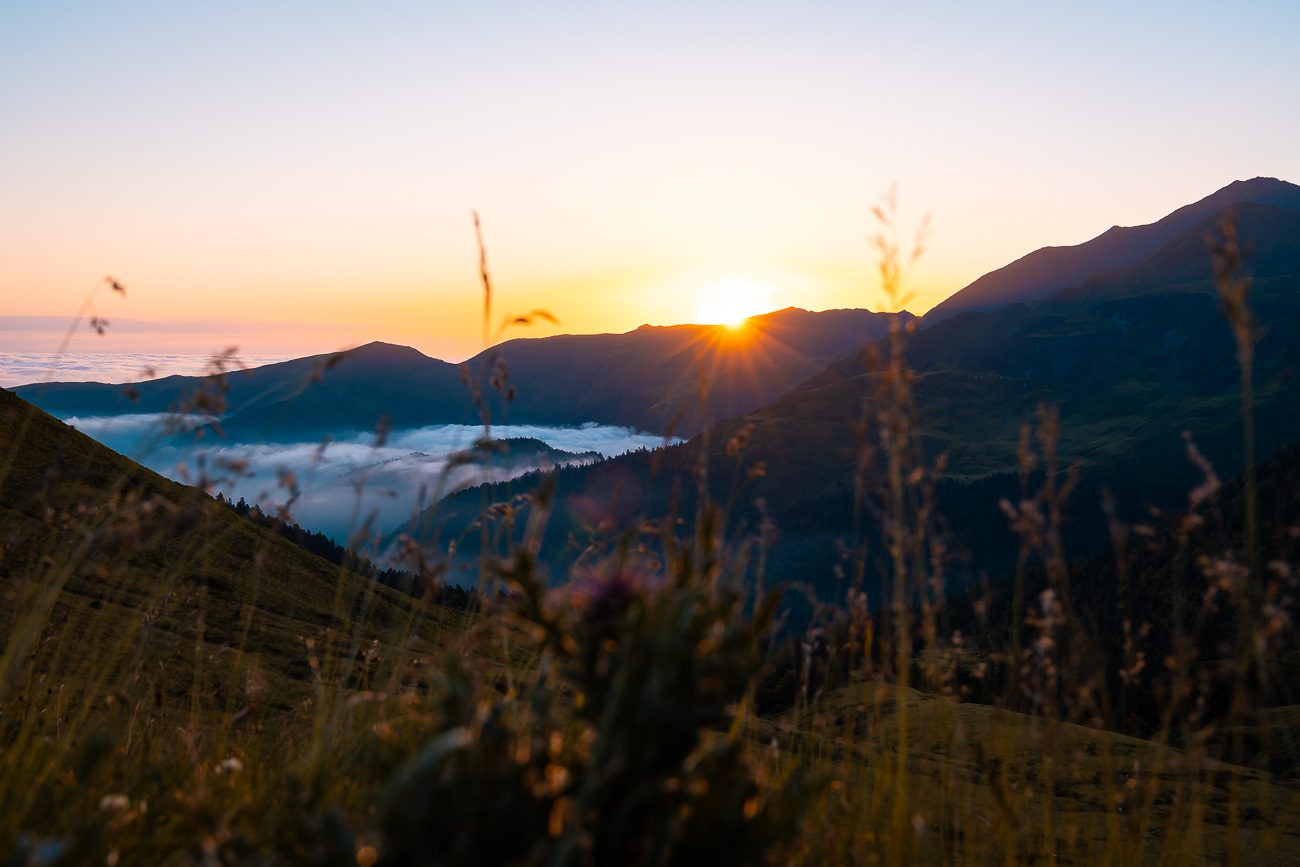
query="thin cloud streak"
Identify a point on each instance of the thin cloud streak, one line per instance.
(26, 368)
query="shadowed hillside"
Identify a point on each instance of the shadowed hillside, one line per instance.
(321, 393)
(106, 560)
(1132, 358)
(650, 378)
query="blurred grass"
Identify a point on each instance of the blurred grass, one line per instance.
(993, 786)
(177, 640)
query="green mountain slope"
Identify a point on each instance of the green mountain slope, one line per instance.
(109, 569)
(1132, 358)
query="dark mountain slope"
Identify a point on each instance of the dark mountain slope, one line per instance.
(106, 560)
(1158, 584)
(647, 378)
(1050, 269)
(335, 392)
(1272, 248)
(1132, 357)
(1129, 368)
(1183, 267)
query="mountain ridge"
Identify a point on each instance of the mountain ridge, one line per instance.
(1129, 368)
(1049, 269)
(646, 379)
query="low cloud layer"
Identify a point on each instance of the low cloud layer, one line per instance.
(25, 368)
(344, 483)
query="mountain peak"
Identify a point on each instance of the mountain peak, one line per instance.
(380, 345)
(1260, 182)
(1261, 190)
(378, 350)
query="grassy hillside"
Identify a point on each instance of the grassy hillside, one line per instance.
(1131, 358)
(97, 539)
(200, 691)
(140, 617)
(989, 786)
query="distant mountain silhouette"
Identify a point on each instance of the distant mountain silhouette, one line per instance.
(1051, 269)
(647, 379)
(650, 378)
(320, 393)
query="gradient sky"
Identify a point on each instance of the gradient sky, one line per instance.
(302, 174)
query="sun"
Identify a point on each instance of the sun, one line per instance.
(731, 301)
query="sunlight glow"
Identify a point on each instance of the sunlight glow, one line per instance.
(731, 301)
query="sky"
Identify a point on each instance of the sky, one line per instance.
(294, 178)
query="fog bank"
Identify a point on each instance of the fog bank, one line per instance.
(347, 484)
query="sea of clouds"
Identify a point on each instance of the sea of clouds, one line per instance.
(25, 368)
(344, 485)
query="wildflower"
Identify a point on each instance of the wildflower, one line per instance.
(229, 766)
(604, 595)
(114, 803)
(737, 443)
